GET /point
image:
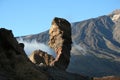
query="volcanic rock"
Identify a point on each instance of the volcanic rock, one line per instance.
(40, 57)
(60, 41)
(14, 63)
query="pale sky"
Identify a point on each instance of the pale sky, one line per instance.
(26, 17)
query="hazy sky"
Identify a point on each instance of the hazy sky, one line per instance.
(26, 17)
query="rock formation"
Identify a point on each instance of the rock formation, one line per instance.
(60, 41)
(15, 65)
(41, 58)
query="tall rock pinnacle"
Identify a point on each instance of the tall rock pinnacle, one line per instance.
(60, 41)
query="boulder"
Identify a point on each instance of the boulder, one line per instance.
(41, 58)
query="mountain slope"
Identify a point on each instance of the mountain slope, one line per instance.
(42, 37)
(96, 46)
(96, 35)
(99, 55)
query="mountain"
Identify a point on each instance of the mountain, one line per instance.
(96, 45)
(99, 55)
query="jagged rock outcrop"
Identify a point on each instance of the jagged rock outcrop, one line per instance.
(14, 63)
(60, 41)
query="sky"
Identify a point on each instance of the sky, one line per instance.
(25, 17)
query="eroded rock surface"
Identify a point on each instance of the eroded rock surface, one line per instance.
(60, 41)
(41, 58)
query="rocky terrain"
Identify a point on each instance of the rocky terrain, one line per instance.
(96, 45)
(15, 64)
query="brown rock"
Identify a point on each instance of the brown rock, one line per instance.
(40, 57)
(60, 41)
